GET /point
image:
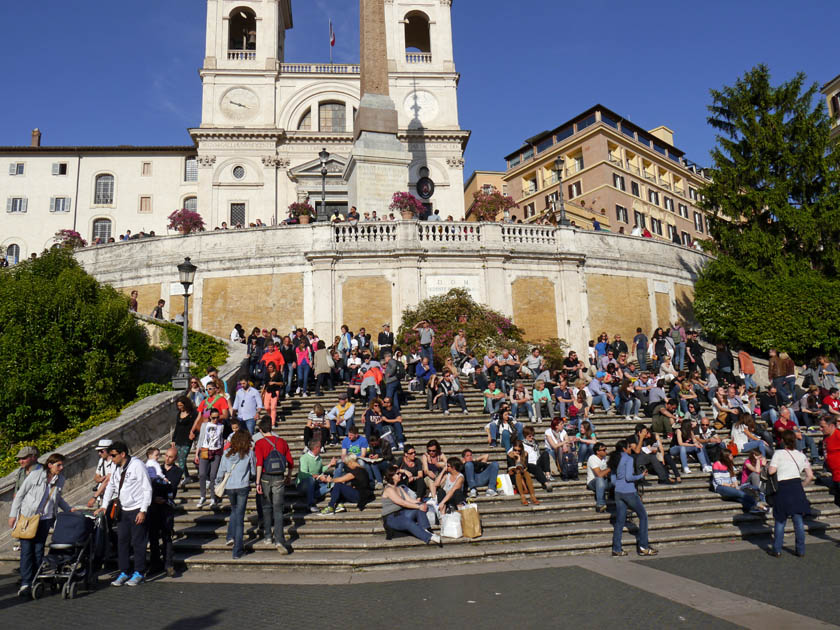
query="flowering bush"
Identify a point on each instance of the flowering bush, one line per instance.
(406, 202)
(301, 209)
(70, 238)
(186, 221)
(491, 206)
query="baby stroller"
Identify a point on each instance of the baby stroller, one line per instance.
(72, 558)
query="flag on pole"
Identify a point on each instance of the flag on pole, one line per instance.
(332, 35)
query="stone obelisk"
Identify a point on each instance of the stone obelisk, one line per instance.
(378, 165)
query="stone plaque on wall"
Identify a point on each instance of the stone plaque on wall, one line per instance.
(439, 285)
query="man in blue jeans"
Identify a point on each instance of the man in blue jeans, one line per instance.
(600, 393)
(598, 476)
(392, 382)
(480, 472)
(626, 498)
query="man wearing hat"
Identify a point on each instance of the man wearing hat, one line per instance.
(27, 458)
(104, 468)
(385, 340)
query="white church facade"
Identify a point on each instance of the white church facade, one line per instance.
(264, 121)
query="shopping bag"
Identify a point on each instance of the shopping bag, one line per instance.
(504, 485)
(450, 525)
(432, 512)
(470, 520)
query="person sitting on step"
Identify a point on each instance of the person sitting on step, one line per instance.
(517, 459)
(450, 486)
(317, 426)
(341, 417)
(380, 458)
(433, 462)
(519, 398)
(352, 487)
(402, 511)
(538, 464)
(479, 472)
(412, 470)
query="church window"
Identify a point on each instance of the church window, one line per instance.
(417, 37)
(305, 123)
(191, 204)
(332, 117)
(13, 254)
(104, 190)
(237, 214)
(191, 169)
(101, 230)
(243, 29)
(145, 205)
(238, 172)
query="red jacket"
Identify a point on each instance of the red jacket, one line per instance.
(275, 357)
(264, 447)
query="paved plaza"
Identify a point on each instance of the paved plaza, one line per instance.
(708, 586)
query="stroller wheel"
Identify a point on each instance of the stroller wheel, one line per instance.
(38, 590)
(71, 589)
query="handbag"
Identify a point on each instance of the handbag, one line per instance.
(470, 520)
(450, 525)
(114, 510)
(204, 453)
(26, 527)
(219, 489)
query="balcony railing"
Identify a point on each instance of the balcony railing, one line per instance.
(449, 232)
(528, 235)
(418, 57)
(319, 68)
(664, 183)
(650, 177)
(615, 160)
(242, 55)
(633, 168)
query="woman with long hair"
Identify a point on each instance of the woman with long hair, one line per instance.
(185, 418)
(627, 498)
(686, 443)
(451, 486)
(433, 462)
(725, 483)
(744, 438)
(517, 461)
(239, 461)
(41, 495)
(322, 367)
(402, 511)
(660, 348)
(303, 357)
(789, 464)
(210, 446)
(628, 404)
(586, 440)
(273, 391)
(724, 413)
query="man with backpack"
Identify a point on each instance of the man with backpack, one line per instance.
(274, 473)
(394, 373)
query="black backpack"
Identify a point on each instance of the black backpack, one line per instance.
(400, 370)
(569, 466)
(275, 462)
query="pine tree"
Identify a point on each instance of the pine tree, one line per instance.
(775, 203)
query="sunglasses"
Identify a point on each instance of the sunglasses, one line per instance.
(411, 453)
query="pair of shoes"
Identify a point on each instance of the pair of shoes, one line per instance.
(600, 509)
(122, 578)
(473, 493)
(648, 552)
(200, 502)
(136, 579)
(619, 554)
(340, 508)
(707, 469)
(686, 470)
(773, 553)
(25, 591)
(437, 540)
(229, 542)
(491, 493)
(328, 511)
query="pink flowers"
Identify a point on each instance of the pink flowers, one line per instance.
(301, 209)
(406, 202)
(70, 238)
(186, 221)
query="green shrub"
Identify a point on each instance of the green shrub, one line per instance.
(205, 351)
(150, 389)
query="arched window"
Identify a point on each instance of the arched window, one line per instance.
(104, 190)
(417, 38)
(13, 254)
(191, 203)
(101, 230)
(332, 117)
(305, 123)
(243, 29)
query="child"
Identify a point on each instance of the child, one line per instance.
(152, 466)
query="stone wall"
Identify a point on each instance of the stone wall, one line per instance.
(534, 307)
(366, 302)
(617, 304)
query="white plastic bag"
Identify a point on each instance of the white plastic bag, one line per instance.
(504, 485)
(450, 525)
(432, 512)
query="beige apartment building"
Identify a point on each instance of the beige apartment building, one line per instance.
(613, 171)
(486, 181)
(832, 100)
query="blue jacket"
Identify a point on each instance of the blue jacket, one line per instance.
(623, 478)
(241, 469)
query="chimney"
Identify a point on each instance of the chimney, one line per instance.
(36, 137)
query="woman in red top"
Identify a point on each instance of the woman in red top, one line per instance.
(303, 355)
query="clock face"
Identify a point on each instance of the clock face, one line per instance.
(240, 104)
(421, 105)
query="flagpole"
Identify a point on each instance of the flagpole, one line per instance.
(330, 42)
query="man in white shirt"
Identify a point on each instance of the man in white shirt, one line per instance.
(104, 468)
(134, 494)
(598, 476)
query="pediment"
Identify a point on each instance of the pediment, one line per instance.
(335, 168)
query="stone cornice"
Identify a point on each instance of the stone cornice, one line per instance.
(199, 133)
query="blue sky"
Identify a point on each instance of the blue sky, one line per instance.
(119, 72)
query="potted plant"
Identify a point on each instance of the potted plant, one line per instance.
(70, 238)
(407, 205)
(303, 211)
(491, 206)
(186, 221)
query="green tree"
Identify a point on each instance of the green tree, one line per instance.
(69, 348)
(775, 206)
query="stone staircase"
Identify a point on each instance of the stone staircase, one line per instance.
(564, 523)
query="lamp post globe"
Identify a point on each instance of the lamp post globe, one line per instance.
(186, 276)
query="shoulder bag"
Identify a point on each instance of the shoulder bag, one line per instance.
(114, 510)
(27, 526)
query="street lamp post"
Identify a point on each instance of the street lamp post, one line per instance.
(186, 273)
(324, 156)
(558, 170)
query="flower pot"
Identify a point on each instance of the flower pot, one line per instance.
(304, 219)
(407, 215)
(183, 230)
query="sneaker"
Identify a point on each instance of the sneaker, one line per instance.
(648, 552)
(619, 554)
(314, 509)
(466, 413)
(297, 391)
(213, 503)
(200, 502)
(25, 591)
(686, 471)
(284, 548)
(378, 485)
(16, 547)
(229, 542)
(136, 579)
(473, 493)
(267, 542)
(707, 469)
(304, 394)
(446, 413)
(328, 511)
(628, 419)
(122, 578)
(491, 493)
(636, 418)
(600, 509)
(340, 508)
(436, 539)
